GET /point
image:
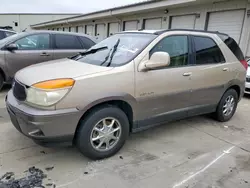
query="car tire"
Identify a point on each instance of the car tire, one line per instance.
(225, 111)
(1, 81)
(100, 123)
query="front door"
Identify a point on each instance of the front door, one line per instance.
(32, 49)
(163, 94)
(210, 74)
(66, 45)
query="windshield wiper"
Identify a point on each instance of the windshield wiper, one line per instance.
(91, 51)
(111, 53)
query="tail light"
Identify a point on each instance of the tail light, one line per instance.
(244, 63)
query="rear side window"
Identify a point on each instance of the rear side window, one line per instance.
(233, 46)
(87, 43)
(207, 51)
(67, 42)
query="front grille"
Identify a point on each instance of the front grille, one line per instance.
(247, 89)
(247, 79)
(19, 91)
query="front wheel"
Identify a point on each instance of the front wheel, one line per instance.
(227, 106)
(103, 132)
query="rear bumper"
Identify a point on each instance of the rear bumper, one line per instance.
(47, 127)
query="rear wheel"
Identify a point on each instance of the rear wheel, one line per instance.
(227, 106)
(103, 132)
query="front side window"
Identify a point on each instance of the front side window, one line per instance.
(127, 46)
(67, 42)
(207, 51)
(176, 47)
(34, 42)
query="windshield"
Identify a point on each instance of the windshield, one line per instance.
(128, 47)
(10, 38)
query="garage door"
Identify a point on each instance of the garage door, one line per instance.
(113, 28)
(183, 22)
(100, 32)
(131, 25)
(66, 29)
(90, 30)
(154, 23)
(229, 22)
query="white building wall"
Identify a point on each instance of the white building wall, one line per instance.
(25, 20)
(201, 12)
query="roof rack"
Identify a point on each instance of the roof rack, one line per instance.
(192, 30)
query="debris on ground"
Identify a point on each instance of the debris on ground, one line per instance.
(49, 168)
(43, 152)
(33, 178)
(86, 173)
(121, 157)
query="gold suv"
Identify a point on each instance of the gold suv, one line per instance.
(129, 82)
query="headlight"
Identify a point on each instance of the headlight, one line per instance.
(49, 92)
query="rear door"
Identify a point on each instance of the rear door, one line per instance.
(66, 45)
(209, 75)
(32, 49)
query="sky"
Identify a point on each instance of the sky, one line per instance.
(59, 6)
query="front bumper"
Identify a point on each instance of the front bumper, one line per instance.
(44, 126)
(247, 87)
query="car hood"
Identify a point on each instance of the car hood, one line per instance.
(62, 68)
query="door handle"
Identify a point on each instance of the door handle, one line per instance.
(187, 74)
(226, 69)
(44, 54)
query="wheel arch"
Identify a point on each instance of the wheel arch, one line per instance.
(120, 102)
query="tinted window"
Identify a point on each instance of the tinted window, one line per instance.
(87, 43)
(34, 42)
(177, 47)
(207, 51)
(2, 35)
(67, 42)
(233, 46)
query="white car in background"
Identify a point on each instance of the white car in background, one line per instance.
(247, 85)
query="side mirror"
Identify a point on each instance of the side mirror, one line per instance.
(158, 60)
(12, 47)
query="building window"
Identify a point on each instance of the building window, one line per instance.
(77, 29)
(69, 29)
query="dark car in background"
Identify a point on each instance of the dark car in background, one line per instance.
(6, 33)
(28, 48)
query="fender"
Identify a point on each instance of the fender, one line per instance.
(111, 97)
